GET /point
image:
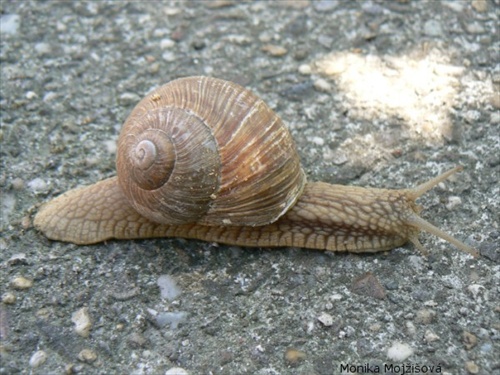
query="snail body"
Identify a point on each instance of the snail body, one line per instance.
(206, 159)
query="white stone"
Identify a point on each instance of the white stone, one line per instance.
(9, 23)
(399, 352)
(453, 202)
(38, 358)
(168, 287)
(176, 371)
(82, 321)
(322, 85)
(166, 43)
(173, 318)
(430, 336)
(325, 319)
(305, 69)
(37, 185)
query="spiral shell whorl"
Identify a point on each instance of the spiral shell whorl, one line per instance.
(151, 159)
(234, 162)
(145, 154)
(162, 174)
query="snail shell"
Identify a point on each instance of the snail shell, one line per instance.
(204, 150)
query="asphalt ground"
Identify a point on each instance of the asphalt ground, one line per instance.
(380, 94)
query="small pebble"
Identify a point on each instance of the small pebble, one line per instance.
(136, 340)
(326, 319)
(486, 347)
(456, 6)
(9, 24)
(337, 157)
(495, 101)
(215, 4)
(239, 40)
(18, 184)
(325, 5)
(471, 367)
(198, 44)
(126, 294)
(425, 316)
(416, 263)
(166, 43)
(469, 339)
(274, 50)
(168, 287)
(172, 318)
(368, 285)
(49, 96)
(31, 95)
(110, 146)
(176, 371)
(17, 259)
(453, 202)
(87, 356)
(433, 28)
(480, 5)
(38, 358)
(21, 283)
(128, 98)
(293, 357)
(154, 68)
(8, 298)
(43, 49)
(169, 56)
(294, 4)
(399, 352)
(60, 26)
(410, 328)
(26, 222)
(305, 69)
(317, 140)
(472, 116)
(430, 336)
(8, 205)
(37, 185)
(322, 85)
(265, 38)
(301, 54)
(474, 28)
(74, 368)
(347, 332)
(476, 290)
(171, 11)
(82, 321)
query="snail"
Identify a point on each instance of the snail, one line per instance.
(206, 159)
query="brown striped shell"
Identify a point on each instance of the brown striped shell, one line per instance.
(205, 150)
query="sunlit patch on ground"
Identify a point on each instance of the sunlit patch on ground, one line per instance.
(419, 89)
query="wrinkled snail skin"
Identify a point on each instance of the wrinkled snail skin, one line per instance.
(313, 215)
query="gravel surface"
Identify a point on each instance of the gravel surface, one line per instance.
(385, 94)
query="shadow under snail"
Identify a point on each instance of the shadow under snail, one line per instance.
(206, 159)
